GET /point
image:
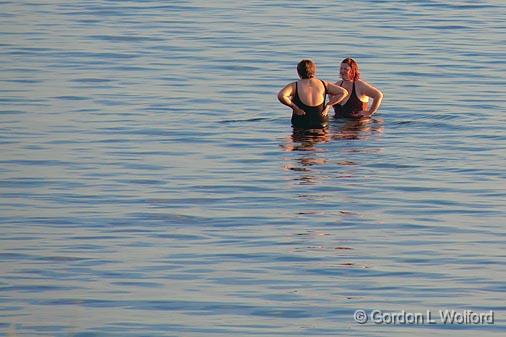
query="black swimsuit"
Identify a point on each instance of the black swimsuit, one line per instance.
(313, 118)
(353, 104)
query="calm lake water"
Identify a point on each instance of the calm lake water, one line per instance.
(150, 183)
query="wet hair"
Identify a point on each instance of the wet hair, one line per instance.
(306, 69)
(355, 74)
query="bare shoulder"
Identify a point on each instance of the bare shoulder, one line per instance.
(287, 90)
(367, 88)
(332, 84)
(334, 88)
(290, 86)
(327, 83)
(362, 83)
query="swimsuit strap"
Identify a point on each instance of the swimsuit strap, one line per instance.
(297, 92)
(325, 86)
(352, 88)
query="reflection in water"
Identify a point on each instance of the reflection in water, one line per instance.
(357, 128)
(323, 158)
(306, 141)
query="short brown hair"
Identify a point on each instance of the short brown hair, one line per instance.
(306, 69)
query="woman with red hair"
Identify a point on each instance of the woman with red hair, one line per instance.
(356, 104)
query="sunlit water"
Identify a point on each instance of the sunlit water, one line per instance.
(151, 184)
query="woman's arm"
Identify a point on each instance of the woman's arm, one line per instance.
(374, 93)
(285, 97)
(336, 93)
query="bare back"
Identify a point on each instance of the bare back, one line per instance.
(311, 91)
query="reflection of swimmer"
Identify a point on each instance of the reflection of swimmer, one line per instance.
(306, 97)
(355, 105)
(357, 128)
(307, 160)
(304, 140)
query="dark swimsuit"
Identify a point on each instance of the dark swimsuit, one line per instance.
(353, 104)
(313, 118)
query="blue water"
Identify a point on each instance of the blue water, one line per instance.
(150, 183)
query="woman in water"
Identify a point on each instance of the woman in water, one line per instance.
(306, 97)
(356, 104)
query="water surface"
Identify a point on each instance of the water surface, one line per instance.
(151, 185)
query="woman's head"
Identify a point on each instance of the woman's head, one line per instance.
(349, 70)
(306, 69)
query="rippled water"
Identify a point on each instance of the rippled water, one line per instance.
(150, 183)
